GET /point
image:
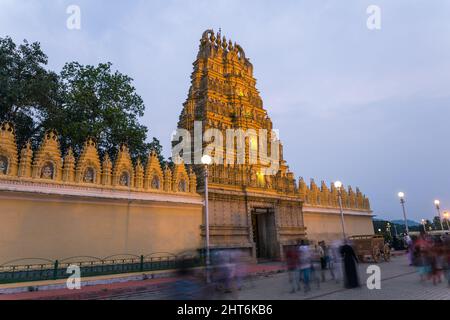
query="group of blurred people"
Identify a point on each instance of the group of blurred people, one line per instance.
(308, 264)
(431, 256)
(225, 275)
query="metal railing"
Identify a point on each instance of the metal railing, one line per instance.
(36, 269)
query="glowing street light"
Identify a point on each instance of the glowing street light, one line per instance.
(338, 186)
(401, 195)
(437, 203)
(447, 217)
(423, 225)
(206, 161)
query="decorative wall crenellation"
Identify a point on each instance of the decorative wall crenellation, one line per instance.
(46, 164)
(328, 197)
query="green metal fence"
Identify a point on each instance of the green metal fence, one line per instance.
(36, 269)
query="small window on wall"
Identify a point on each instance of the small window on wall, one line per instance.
(182, 186)
(89, 175)
(124, 179)
(3, 165)
(155, 182)
(48, 171)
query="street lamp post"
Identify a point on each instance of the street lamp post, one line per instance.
(438, 208)
(423, 225)
(338, 186)
(395, 229)
(206, 161)
(401, 195)
(447, 216)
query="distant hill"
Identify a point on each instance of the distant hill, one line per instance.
(411, 223)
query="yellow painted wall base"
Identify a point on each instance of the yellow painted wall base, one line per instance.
(327, 227)
(58, 227)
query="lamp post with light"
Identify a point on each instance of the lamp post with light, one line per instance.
(447, 216)
(423, 225)
(338, 186)
(395, 230)
(401, 195)
(437, 203)
(206, 161)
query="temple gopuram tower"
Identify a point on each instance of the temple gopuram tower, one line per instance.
(250, 209)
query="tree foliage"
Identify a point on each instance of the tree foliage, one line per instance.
(79, 102)
(28, 92)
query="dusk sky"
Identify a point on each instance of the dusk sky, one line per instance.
(368, 107)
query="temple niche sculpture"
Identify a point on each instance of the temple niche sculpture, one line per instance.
(88, 165)
(8, 150)
(47, 166)
(154, 177)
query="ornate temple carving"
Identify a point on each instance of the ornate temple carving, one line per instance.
(223, 95)
(154, 177)
(47, 164)
(8, 150)
(106, 170)
(313, 193)
(324, 195)
(334, 201)
(123, 172)
(351, 198)
(302, 189)
(49, 167)
(139, 176)
(180, 177)
(26, 158)
(192, 181)
(344, 196)
(89, 169)
(69, 167)
(167, 179)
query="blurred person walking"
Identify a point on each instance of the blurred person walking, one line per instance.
(292, 263)
(421, 257)
(447, 257)
(335, 264)
(317, 254)
(410, 249)
(305, 264)
(325, 260)
(351, 279)
(437, 261)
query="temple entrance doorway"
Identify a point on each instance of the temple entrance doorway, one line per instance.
(264, 233)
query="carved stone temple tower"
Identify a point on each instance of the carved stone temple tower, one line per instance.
(249, 209)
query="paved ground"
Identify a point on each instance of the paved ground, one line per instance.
(399, 281)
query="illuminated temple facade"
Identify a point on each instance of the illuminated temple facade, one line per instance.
(249, 208)
(56, 206)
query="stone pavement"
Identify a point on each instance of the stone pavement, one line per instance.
(399, 282)
(102, 287)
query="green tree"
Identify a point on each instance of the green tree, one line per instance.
(28, 92)
(437, 223)
(99, 103)
(80, 102)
